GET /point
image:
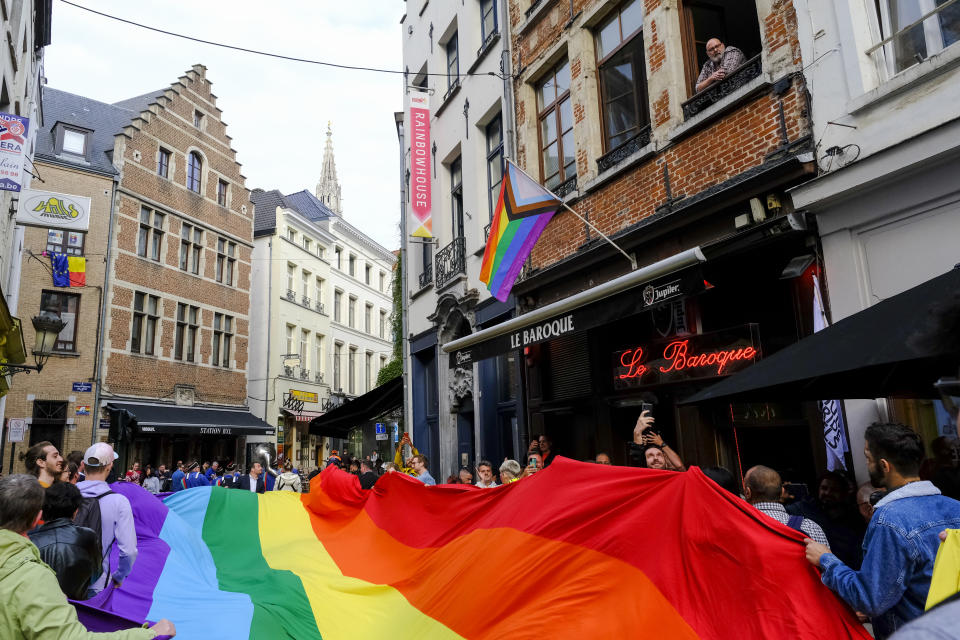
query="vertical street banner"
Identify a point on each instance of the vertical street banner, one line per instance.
(834, 429)
(419, 127)
(13, 147)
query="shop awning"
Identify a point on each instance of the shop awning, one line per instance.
(584, 310)
(303, 416)
(175, 419)
(338, 422)
(897, 348)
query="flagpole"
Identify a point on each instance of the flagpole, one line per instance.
(633, 261)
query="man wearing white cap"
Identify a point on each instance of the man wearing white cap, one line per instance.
(116, 517)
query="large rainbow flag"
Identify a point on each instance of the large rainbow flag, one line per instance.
(578, 550)
(523, 211)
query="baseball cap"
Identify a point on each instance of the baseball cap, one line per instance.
(99, 455)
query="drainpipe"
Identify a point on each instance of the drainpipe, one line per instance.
(507, 113)
(266, 379)
(104, 296)
(405, 270)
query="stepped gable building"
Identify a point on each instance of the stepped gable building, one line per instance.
(321, 303)
(178, 303)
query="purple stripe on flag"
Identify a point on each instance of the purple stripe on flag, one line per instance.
(135, 595)
(502, 291)
(512, 245)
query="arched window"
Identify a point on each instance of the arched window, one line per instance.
(194, 167)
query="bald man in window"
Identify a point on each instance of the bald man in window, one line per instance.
(721, 61)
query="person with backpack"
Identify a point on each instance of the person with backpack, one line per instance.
(108, 514)
(288, 480)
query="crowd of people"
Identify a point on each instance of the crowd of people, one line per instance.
(874, 544)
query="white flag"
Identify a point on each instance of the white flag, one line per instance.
(834, 430)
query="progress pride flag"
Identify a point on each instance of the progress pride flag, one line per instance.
(419, 120)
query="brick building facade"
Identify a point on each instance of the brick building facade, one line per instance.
(177, 321)
(692, 185)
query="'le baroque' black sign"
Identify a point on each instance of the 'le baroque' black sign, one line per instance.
(599, 313)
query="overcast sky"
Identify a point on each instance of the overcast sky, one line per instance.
(276, 111)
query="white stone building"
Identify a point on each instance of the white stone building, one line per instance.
(458, 414)
(320, 308)
(885, 89)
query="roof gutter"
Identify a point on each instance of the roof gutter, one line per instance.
(643, 274)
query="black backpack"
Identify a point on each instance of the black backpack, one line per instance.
(88, 515)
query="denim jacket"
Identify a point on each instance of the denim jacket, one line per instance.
(899, 549)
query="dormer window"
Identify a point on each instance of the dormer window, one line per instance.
(72, 140)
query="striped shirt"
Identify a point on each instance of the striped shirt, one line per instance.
(776, 511)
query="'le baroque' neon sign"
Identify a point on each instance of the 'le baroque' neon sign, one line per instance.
(677, 357)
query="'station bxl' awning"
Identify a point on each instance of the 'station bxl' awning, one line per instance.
(376, 402)
(896, 348)
(182, 420)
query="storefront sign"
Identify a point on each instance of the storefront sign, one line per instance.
(706, 355)
(53, 210)
(15, 429)
(306, 396)
(104, 423)
(675, 286)
(216, 431)
(83, 410)
(418, 119)
(13, 148)
(83, 387)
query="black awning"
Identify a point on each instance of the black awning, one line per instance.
(176, 419)
(897, 348)
(376, 402)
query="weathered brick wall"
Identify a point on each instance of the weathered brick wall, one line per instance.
(169, 124)
(726, 147)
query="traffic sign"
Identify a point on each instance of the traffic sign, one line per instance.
(15, 429)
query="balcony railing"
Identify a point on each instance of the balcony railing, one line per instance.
(450, 261)
(319, 376)
(566, 186)
(625, 150)
(291, 295)
(426, 277)
(305, 301)
(288, 371)
(716, 92)
(319, 307)
(304, 374)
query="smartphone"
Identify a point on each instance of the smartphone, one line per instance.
(532, 461)
(646, 406)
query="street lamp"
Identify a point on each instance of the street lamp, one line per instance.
(47, 325)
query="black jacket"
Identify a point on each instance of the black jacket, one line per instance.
(244, 483)
(368, 479)
(72, 552)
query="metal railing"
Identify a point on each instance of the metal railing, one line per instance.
(450, 261)
(305, 301)
(291, 295)
(625, 150)
(319, 376)
(716, 92)
(566, 186)
(319, 307)
(426, 276)
(304, 374)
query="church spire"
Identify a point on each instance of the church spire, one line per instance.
(328, 189)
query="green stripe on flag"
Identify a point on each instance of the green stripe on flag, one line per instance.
(231, 530)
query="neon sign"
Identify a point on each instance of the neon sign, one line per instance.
(699, 356)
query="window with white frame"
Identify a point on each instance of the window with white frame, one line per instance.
(488, 19)
(150, 235)
(914, 30)
(226, 260)
(143, 330)
(191, 243)
(453, 62)
(494, 135)
(291, 278)
(557, 154)
(623, 79)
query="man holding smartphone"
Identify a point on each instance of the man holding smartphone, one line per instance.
(648, 448)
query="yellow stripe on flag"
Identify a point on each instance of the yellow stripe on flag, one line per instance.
(340, 604)
(77, 264)
(946, 570)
